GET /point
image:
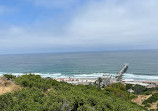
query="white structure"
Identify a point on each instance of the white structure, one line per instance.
(128, 80)
(130, 90)
(137, 83)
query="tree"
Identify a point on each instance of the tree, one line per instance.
(64, 97)
(139, 89)
(9, 76)
(100, 80)
(129, 86)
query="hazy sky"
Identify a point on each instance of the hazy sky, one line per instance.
(32, 26)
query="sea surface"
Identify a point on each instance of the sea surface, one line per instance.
(143, 64)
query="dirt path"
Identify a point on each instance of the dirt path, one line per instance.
(8, 86)
(154, 105)
(141, 98)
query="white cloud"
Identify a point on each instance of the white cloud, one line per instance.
(111, 23)
(108, 24)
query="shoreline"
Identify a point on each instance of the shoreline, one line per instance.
(57, 76)
(105, 81)
(88, 76)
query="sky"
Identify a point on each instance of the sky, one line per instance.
(41, 26)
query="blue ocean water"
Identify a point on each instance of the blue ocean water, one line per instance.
(143, 64)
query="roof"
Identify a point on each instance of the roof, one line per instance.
(128, 80)
(130, 90)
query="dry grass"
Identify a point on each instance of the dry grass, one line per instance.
(7, 86)
(154, 105)
(139, 100)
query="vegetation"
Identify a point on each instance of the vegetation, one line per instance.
(41, 94)
(99, 81)
(138, 89)
(9, 77)
(147, 97)
(129, 86)
(152, 99)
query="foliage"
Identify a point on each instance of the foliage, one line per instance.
(9, 76)
(152, 99)
(118, 90)
(149, 91)
(132, 96)
(147, 105)
(62, 96)
(35, 81)
(139, 89)
(129, 86)
(99, 81)
(119, 86)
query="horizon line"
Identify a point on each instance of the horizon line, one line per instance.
(114, 50)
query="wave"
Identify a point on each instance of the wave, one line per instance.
(41, 74)
(139, 77)
(95, 75)
(92, 75)
(59, 75)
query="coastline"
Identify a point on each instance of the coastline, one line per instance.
(87, 80)
(90, 76)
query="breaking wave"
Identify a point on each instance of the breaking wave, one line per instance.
(139, 77)
(93, 75)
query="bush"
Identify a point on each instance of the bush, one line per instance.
(148, 93)
(147, 105)
(118, 90)
(9, 76)
(133, 96)
(152, 99)
(129, 86)
(139, 89)
(119, 86)
(35, 81)
(65, 97)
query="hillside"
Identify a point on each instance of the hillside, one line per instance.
(150, 101)
(7, 86)
(41, 94)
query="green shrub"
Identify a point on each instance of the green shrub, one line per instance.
(132, 96)
(119, 86)
(129, 86)
(139, 89)
(147, 105)
(118, 90)
(65, 97)
(35, 81)
(148, 93)
(9, 76)
(152, 99)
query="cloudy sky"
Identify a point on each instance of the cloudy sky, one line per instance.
(32, 26)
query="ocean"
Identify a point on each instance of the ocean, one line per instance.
(143, 64)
